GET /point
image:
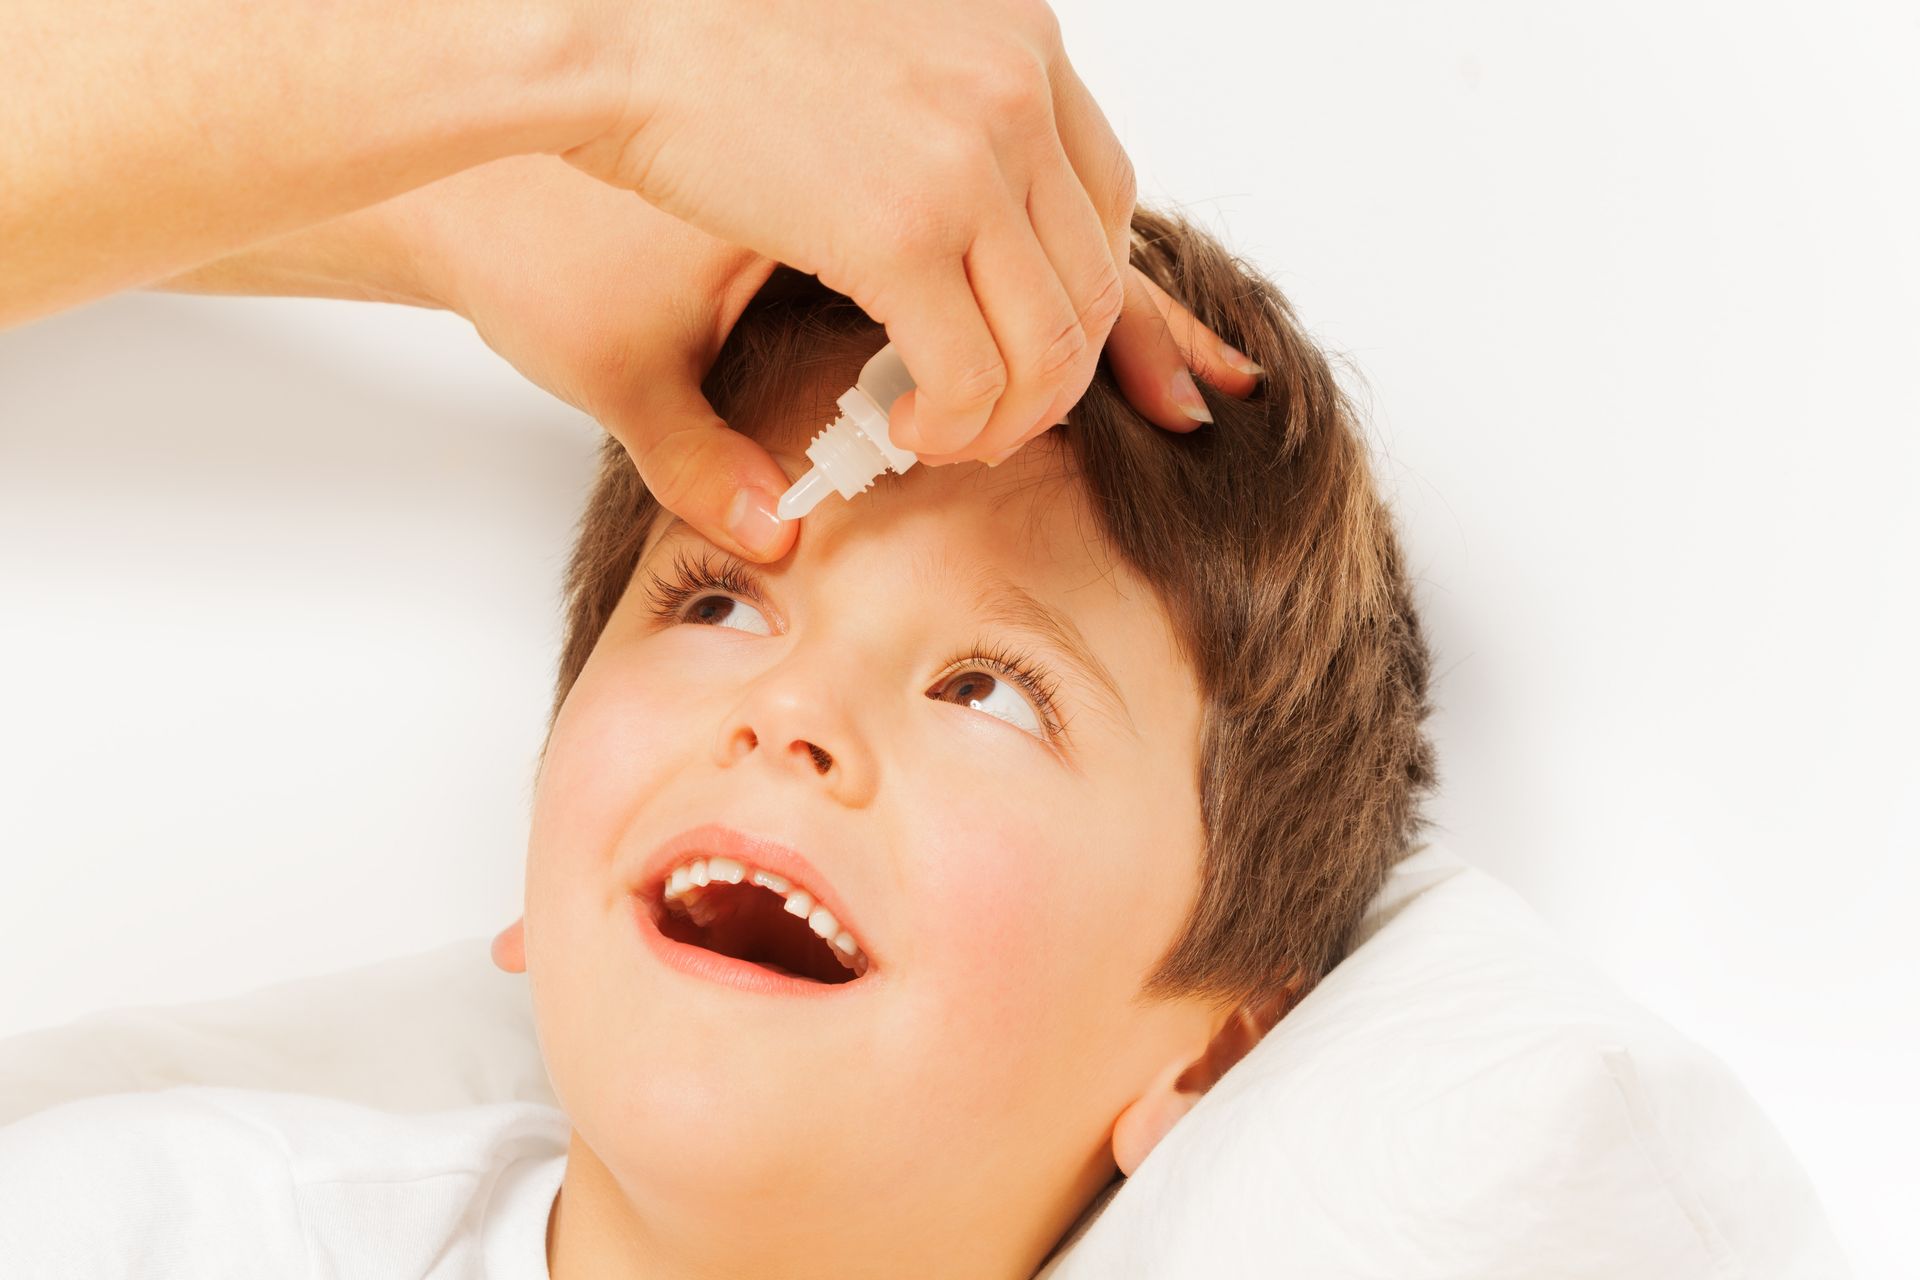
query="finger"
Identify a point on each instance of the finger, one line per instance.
(1032, 321)
(1145, 361)
(1201, 348)
(1056, 413)
(1151, 364)
(1148, 365)
(1107, 177)
(717, 480)
(1104, 176)
(1075, 243)
(1088, 137)
(935, 322)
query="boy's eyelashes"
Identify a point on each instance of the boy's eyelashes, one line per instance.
(1019, 669)
(692, 572)
(709, 574)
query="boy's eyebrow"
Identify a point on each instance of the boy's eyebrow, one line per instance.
(1002, 602)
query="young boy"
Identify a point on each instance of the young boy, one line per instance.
(885, 902)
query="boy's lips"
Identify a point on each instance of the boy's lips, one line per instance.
(648, 880)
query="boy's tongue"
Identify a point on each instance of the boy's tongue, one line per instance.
(752, 924)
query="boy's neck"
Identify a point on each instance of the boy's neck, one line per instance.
(593, 1233)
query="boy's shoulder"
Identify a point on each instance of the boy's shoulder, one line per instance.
(179, 1180)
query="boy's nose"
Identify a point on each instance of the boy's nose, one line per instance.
(801, 732)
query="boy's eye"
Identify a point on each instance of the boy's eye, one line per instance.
(996, 680)
(984, 691)
(725, 611)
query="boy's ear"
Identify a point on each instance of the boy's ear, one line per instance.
(1175, 1090)
(510, 947)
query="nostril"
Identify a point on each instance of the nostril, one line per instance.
(821, 760)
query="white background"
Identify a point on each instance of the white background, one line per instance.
(1630, 296)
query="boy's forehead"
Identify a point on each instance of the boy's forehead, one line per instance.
(1029, 508)
(1027, 511)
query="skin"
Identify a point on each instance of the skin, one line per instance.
(964, 189)
(619, 309)
(956, 1117)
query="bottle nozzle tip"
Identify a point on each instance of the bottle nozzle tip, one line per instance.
(803, 495)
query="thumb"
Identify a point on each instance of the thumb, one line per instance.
(722, 483)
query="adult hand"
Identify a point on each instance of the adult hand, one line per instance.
(941, 164)
(951, 175)
(619, 309)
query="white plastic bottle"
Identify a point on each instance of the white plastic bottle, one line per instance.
(854, 448)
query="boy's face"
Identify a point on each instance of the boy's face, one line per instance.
(952, 1111)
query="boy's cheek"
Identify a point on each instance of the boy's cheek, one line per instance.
(1031, 922)
(603, 752)
(995, 989)
(983, 888)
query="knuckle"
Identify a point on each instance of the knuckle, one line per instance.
(633, 164)
(670, 467)
(928, 213)
(1103, 310)
(1012, 85)
(917, 227)
(980, 385)
(1028, 16)
(1062, 351)
(1043, 23)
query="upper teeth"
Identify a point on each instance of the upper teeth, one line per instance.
(700, 872)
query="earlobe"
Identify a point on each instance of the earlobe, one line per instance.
(1148, 1118)
(1176, 1090)
(510, 947)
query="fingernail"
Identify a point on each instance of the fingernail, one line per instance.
(1238, 359)
(1000, 457)
(752, 521)
(1187, 396)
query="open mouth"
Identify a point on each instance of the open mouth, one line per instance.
(750, 923)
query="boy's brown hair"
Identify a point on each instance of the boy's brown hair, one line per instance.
(1276, 561)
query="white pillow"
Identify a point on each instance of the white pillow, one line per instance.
(1462, 1097)
(443, 1028)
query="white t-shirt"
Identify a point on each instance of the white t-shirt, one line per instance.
(214, 1182)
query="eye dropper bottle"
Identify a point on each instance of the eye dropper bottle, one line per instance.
(854, 448)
